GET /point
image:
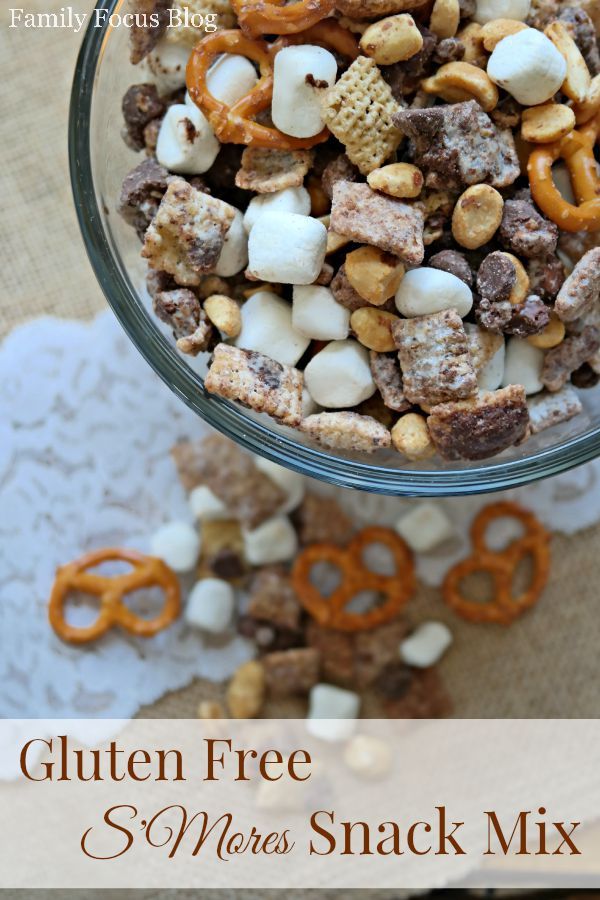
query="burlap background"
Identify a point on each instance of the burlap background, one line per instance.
(546, 665)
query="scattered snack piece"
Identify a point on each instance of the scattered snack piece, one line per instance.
(141, 105)
(409, 693)
(482, 427)
(454, 263)
(410, 436)
(332, 712)
(391, 40)
(363, 215)
(373, 273)
(387, 377)
(141, 194)
(265, 170)
(434, 358)
(459, 145)
(356, 659)
(568, 356)
(344, 293)
(180, 309)
(177, 544)
(206, 506)
(504, 608)
(186, 236)
(273, 541)
(547, 410)
(222, 550)
(580, 293)
(358, 111)
(424, 527)
(339, 169)
(293, 671)
(210, 605)
(426, 645)
(145, 572)
(528, 318)
(149, 24)
(272, 599)
(232, 476)
(368, 756)
(346, 431)
(331, 611)
(320, 519)
(246, 691)
(256, 381)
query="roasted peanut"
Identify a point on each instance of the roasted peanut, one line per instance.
(459, 81)
(551, 336)
(391, 40)
(224, 313)
(334, 240)
(373, 328)
(320, 203)
(547, 123)
(470, 37)
(477, 216)
(212, 284)
(445, 18)
(246, 691)
(591, 105)
(577, 83)
(397, 180)
(410, 436)
(374, 274)
(521, 288)
(494, 32)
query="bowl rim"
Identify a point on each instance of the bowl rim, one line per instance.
(225, 416)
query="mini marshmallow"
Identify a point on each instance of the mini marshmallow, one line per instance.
(231, 77)
(210, 605)
(272, 542)
(234, 255)
(489, 376)
(287, 248)
(309, 405)
(339, 376)
(206, 506)
(168, 64)
(424, 527)
(425, 291)
(523, 365)
(426, 645)
(301, 75)
(528, 66)
(267, 328)
(488, 10)
(291, 199)
(317, 314)
(332, 712)
(186, 142)
(290, 482)
(177, 544)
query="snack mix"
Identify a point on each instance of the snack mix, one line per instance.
(378, 219)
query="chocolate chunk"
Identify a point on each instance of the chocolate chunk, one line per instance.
(272, 598)
(453, 262)
(529, 317)
(496, 278)
(569, 356)
(180, 309)
(344, 293)
(449, 50)
(546, 276)
(404, 77)
(141, 194)
(221, 176)
(526, 232)
(319, 519)
(293, 671)
(423, 698)
(584, 377)
(386, 375)
(149, 23)
(339, 169)
(141, 104)
(356, 660)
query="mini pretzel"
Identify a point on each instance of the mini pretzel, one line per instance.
(258, 17)
(577, 150)
(330, 611)
(147, 572)
(329, 34)
(501, 565)
(236, 124)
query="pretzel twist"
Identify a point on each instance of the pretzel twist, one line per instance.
(147, 571)
(258, 17)
(501, 566)
(577, 151)
(330, 611)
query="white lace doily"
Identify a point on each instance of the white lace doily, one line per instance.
(85, 432)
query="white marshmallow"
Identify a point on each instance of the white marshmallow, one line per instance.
(317, 314)
(523, 365)
(177, 544)
(426, 645)
(425, 291)
(332, 712)
(234, 255)
(309, 405)
(528, 66)
(290, 482)
(168, 63)
(231, 77)
(267, 328)
(287, 248)
(340, 376)
(186, 142)
(296, 104)
(272, 542)
(210, 605)
(424, 527)
(488, 10)
(292, 199)
(205, 506)
(489, 372)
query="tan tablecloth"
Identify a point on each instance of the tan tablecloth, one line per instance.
(546, 665)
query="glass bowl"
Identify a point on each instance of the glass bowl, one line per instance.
(99, 161)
